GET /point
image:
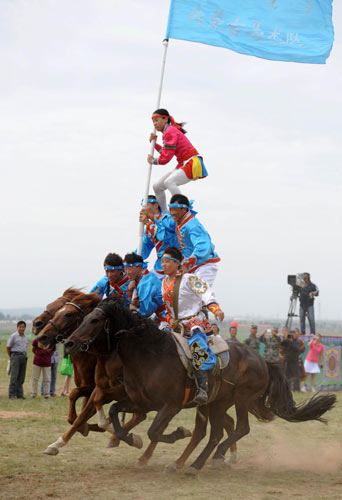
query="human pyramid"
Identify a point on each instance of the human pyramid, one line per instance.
(180, 284)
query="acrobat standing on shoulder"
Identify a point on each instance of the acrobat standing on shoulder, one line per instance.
(190, 165)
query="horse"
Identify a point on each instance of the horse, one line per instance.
(89, 370)
(155, 380)
(64, 322)
(40, 321)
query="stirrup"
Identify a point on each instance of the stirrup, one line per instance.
(201, 397)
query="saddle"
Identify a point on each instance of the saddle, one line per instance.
(217, 344)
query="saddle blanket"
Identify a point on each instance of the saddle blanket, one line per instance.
(217, 344)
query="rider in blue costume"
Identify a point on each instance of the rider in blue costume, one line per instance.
(149, 298)
(197, 248)
(115, 283)
(159, 233)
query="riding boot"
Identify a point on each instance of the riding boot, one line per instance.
(201, 396)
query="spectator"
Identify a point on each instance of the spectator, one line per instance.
(252, 340)
(233, 332)
(291, 360)
(67, 380)
(41, 364)
(216, 330)
(17, 352)
(284, 333)
(313, 361)
(302, 375)
(54, 370)
(306, 300)
(272, 343)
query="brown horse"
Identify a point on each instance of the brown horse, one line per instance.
(63, 323)
(40, 321)
(89, 370)
(155, 379)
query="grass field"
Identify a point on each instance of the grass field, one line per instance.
(277, 461)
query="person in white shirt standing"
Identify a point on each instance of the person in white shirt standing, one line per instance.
(17, 351)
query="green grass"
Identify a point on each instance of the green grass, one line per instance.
(278, 460)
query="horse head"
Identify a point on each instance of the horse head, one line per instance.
(98, 328)
(67, 319)
(42, 320)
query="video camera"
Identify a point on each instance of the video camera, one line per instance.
(296, 281)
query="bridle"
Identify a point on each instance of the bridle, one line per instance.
(77, 320)
(87, 343)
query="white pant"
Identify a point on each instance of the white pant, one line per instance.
(207, 272)
(36, 370)
(170, 181)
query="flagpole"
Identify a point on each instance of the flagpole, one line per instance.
(149, 172)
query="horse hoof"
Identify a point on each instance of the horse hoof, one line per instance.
(191, 471)
(170, 468)
(141, 463)
(186, 432)
(219, 463)
(137, 442)
(84, 430)
(233, 459)
(51, 450)
(113, 443)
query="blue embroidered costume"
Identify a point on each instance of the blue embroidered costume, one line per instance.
(159, 234)
(104, 287)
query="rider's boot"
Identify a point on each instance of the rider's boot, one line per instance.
(201, 396)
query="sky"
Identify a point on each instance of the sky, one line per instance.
(79, 82)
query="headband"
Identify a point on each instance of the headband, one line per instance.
(113, 268)
(167, 256)
(172, 120)
(183, 205)
(149, 200)
(136, 264)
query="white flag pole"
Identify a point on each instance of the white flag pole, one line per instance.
(148, 180)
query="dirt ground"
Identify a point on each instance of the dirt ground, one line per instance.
(277, 461)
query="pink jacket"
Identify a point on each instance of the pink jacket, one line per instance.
(175, 144)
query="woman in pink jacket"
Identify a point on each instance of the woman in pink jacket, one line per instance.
(190, 166)
(313, 361)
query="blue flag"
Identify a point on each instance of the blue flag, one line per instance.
(281, 30)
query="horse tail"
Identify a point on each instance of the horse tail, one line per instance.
(278, 398)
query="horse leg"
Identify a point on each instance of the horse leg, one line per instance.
(136, 419)
(160, 423)
(121, 432)
(242, 428)
(85, 415)
(199, 432)
(228, 425)
(76, 393)
(216, 416)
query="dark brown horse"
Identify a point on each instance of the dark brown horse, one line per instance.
(40, 321)
(155, 379)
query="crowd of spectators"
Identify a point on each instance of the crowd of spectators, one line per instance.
(287, 349)
(45, 363)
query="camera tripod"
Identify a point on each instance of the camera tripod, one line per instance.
(292, 309)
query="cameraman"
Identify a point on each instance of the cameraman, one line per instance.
(306, 299)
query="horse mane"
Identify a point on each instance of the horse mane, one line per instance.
(71, 292)
(140, 332)
(86, 299)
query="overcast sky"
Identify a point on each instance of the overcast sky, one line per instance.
(78, 84)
